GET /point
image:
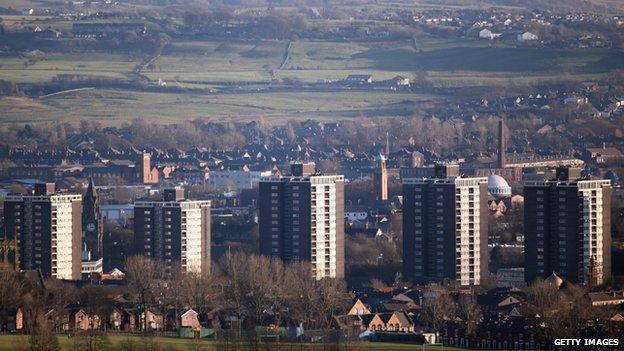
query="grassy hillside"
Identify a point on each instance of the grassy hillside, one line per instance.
(115, 106)
(43, 67)
(237, 71)
(226, 63)
(556, 5)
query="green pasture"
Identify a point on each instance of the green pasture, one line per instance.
(224, 67)
(115, 106)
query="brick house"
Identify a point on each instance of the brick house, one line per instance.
(122, 319)
(397, 321)
(190, 319)
(152, 319)
(79, 319)
(58, 319)
(359, 308)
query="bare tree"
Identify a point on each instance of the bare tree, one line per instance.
(198, 291)
(546, 302)
(310, 301)
(333, 300)
(438, 306)
(42, 338)
(302, 295)
(469, 311)
(233, 283)
(60, 293)
(252, 285)
(142, 273)
(11, 290)
(543, 299)
(97, 303)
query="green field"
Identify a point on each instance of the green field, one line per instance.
(226, 63)
(217, 64)
(37, 68)
(225, 67)
(15, 343)
(115, 106)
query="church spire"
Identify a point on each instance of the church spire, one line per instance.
(91, 192)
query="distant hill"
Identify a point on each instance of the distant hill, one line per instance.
(607, 6)
(595, 5)
(601, 6)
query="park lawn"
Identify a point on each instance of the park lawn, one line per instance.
(20, 342)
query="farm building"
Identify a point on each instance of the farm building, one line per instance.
(488, 34)
(359, 79)
(527, 36)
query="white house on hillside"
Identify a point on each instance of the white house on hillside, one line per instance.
(527, 36)
(488, 34)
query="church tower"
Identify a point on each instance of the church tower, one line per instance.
(93, 231)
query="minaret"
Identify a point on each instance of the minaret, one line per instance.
(380, 179)
(502, 146)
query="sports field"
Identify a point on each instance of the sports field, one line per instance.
(16, 343)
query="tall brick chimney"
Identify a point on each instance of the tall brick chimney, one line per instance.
(502, 145)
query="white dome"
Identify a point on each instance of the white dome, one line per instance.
(498, 186)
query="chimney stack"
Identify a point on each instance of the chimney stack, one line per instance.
(502, 146)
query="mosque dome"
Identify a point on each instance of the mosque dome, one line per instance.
(498, 187)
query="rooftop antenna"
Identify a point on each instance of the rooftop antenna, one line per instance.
(387, 144)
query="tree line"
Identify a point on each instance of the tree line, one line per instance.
(441, 137)
(250, 287)
(555, 311)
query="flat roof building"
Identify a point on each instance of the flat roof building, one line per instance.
(445, 228)
(301, 218)
(45, 230)
(568, 228)
(174, 231)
